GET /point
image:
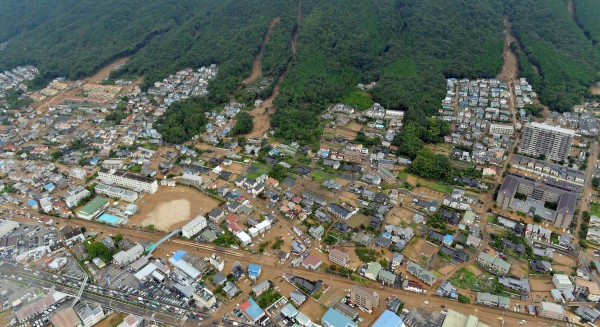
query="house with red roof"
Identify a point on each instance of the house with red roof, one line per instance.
(311, 262)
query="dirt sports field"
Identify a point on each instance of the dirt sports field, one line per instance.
(171, 207)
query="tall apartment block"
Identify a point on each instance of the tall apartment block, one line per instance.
(551, 141)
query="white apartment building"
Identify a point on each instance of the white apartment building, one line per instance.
(193, 227)
(90, 314)
(123, 258)
(73, 200)
(562, 282)
(191, 180)
(113, 164)
(128, 180)
(205, 298)
(551, 141)
(116, 192)
(499, 129)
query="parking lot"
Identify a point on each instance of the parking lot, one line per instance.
(27, 238)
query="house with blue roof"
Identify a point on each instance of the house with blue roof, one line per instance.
(448, 239)
(334, 318)
(254, 271)
(49, 187)
(178, 255)
(388, 319)
(252, 311)
(289, 311)
(32, 203)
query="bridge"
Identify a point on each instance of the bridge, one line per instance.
(78, 297)
(152, 246)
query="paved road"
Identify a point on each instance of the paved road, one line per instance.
(105, 301)
(272, 270)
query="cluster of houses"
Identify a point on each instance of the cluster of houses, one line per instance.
(582, 123)
(546, 169)
(14, 80)
(480, 110)
(184, 84)
(524, 92)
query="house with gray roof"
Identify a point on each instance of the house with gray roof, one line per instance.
(421, 274)
(386, 277)
(493, 264)
(518, 284)
(493, 300)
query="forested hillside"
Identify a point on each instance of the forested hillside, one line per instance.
(587, 14)
(565, 59)
(407, 46)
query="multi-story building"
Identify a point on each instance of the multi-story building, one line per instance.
(193, 227)
(551, 141)
(90, 314)
(364, 297)
(339, 257)
(205, 298)
(128, 180)
(73, 199)
(533, 198)
(116, 192)
(562, 282)
(499, 129)
(551, 310)
(123, 258)
(191, 180)
(113, 164)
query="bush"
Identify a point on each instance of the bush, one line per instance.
(463, 298)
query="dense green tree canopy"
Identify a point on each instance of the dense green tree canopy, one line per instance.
(407, 46)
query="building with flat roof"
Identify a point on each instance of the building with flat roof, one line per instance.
(93, 209)
(500, 129)
(205, 298)
(128, 180)
(339, 256)
(551, 310)
(123, 258)
(534, 197)
(364, 297)
(562, 282)
(116, 192)
(89, 313)
(551, 141)
(193, 227)
(73, 199)
(191, 180)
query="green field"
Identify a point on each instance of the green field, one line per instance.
(321, 176)
(465, 279)
(436, 186)
(595, 211)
